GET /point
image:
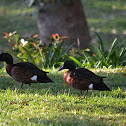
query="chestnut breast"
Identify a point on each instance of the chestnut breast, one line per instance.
(76, 82)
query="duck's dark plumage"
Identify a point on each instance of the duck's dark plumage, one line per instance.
(82, 79)
(24, 72)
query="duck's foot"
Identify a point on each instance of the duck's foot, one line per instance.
(82, 96)
(84, 93)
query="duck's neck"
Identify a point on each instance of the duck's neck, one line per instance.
(9, 60)
(71, 69)
(9, 68)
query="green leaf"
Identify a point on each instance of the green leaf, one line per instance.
(111, 50)
(29, 55)
(100, 42)
(66, 50)
(76, 61)
(14, 55)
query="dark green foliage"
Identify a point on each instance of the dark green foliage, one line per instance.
(98, 57)
(114, 57)
(32, 50)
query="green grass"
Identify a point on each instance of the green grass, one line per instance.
(105, 17)
(54, 104)
(16, 16)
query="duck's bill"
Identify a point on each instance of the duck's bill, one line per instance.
(61, 69)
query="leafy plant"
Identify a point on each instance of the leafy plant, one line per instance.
(31, 49)
(98, 57)
(114, 57)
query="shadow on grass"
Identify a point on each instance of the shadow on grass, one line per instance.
(113, 108)
(6, 82)
(50, 109)
(68, 119)
(16, 18)
(113, 81)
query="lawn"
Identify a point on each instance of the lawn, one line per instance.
(56, 104)
(16, 16)
(105, 17)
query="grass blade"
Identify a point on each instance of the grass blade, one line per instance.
(66, 50)
(14, 55)
(76, 61)
(29, 55)
(101, 43)
(111, 50)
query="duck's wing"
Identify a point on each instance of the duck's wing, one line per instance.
(83, 73)
(30, 67)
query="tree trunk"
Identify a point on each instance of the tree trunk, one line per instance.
(65, 19)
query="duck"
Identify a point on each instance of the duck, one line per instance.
(24, 72)
(82, 78)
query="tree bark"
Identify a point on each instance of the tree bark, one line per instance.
(65, 19)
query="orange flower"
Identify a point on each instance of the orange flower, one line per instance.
(56, 36)
(11, 44)
(93, 54)
(34, 45)
(6, 33)
(21, 44)
(35, 36)
(4, 37)
(66, 38)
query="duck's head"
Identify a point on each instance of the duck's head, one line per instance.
(6, 57)
(68, 65)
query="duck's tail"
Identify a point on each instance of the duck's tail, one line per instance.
(101, 87)
(45, 79)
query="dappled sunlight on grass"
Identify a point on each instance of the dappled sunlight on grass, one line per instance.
(114, 79)
(107, 18)
(62, 109)
(12, 11)
(17, 18)
(103, 17)
(56, 104)
(106, 26)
